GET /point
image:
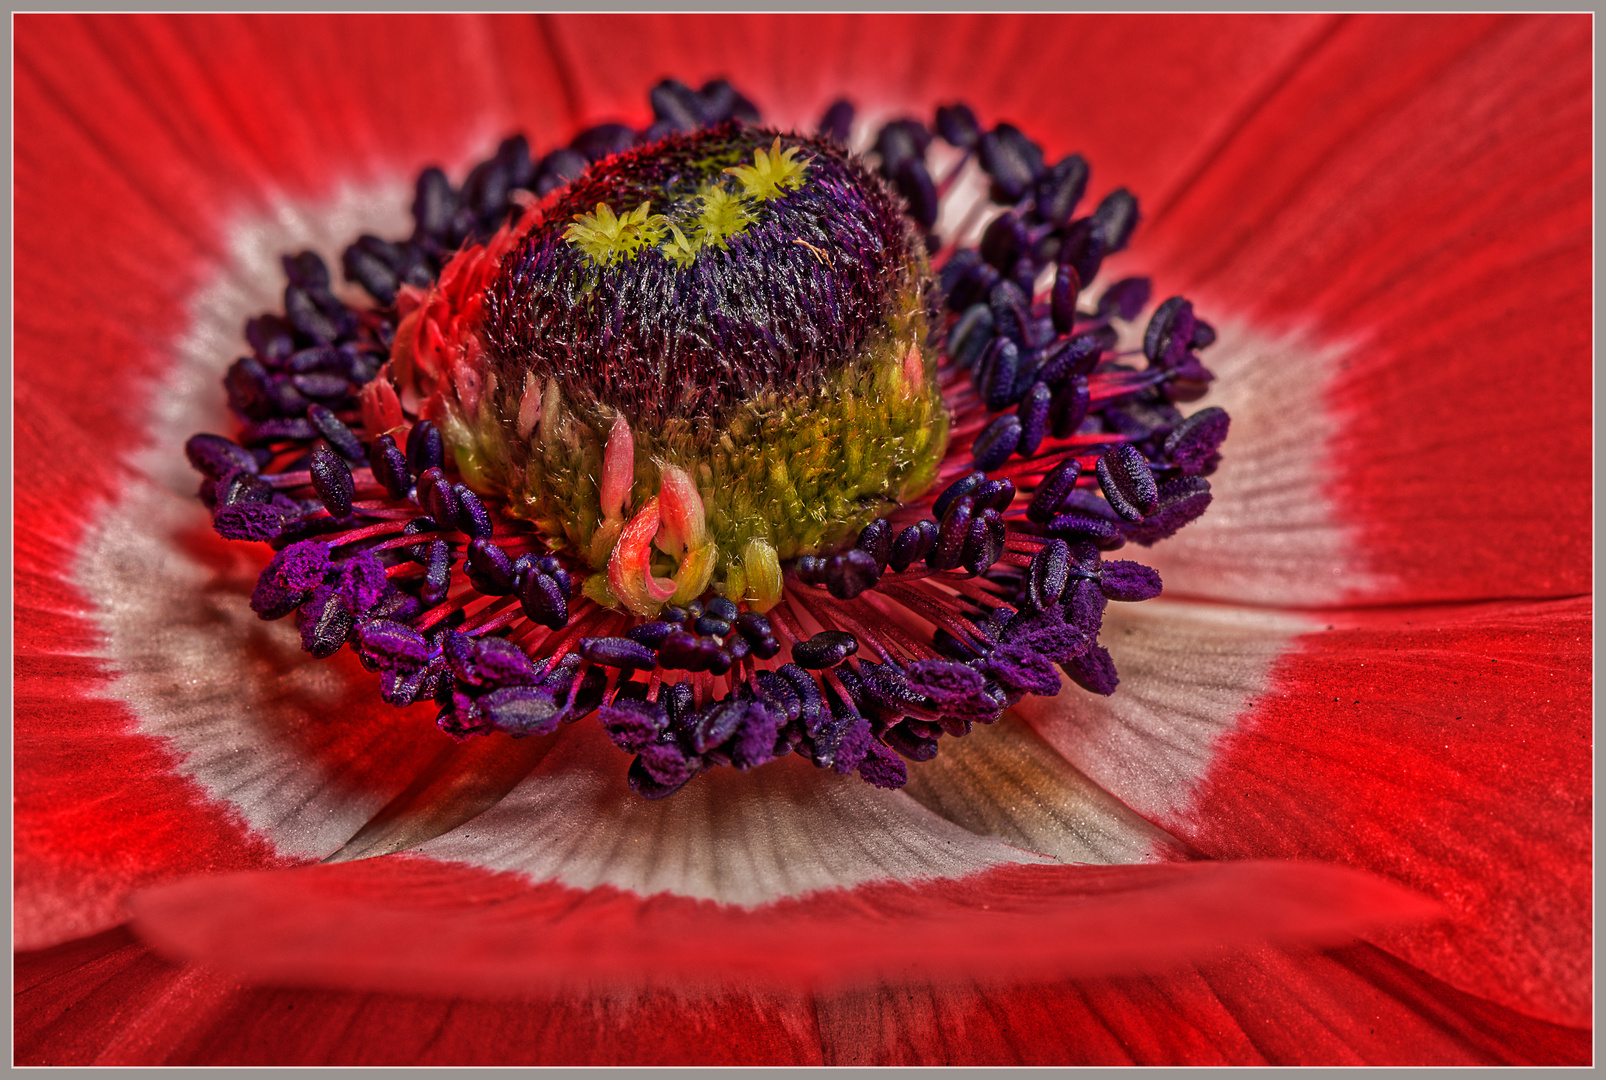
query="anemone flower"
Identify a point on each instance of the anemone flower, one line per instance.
(1337, 810)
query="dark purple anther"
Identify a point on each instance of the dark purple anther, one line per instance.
(389, 466)
(433, 203)
(1057, 483)
(682, 651)
(240, 488)
(331, 479)
(492, 569)
(305, 316)
(522, 710)
(1033, 414)
(558, 168)
(716, 723)
(969, 282)
(436, 499)
(618, 652)
(339, 435)
(984, 543)
(971, 335)
(711, 626)
(998, 374)
(995, 495)
(876, 539)
(513, 153)
(1046, 576)
(956, 490)
(1069, 407)
(901, 141)
(270, 339)
(837, 123)
(1204, 335)
(216, 456)
(677, 104)
(957, 125)
(651, 634)
(810, 703)
(825, 650)
(753, 626)
(1128, 482)
(320, 358)
(424, 448)
(811, 568)
(1130, 581)
(1192, 445)
(1115, 219)
(369, 271)
(997, 441)
(1061, 189)
(1005, 241)
(250, 390)
(951, 535)
(722, 101)
(1012, 160)
(322, 384)
(1062, 297)
(393, 643)
(1093, 671)
(544, 600)
(1159, 337)
(1126, 298)
(306, 269)
(851, 573)
(916, 186)
(604, 140)
(437, 573)
(327, 621)
(722, 608)
(913, 544)
(1078, 526)
(1070, 356)
(472, 517)
(1011, 311)
(550, 566)
(1082, 249)
(1181, 501)
(910, 745)
(279, 429)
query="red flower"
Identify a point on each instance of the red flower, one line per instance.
(1374, 653)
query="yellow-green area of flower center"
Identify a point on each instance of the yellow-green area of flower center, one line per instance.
(718, 210)
(797, 472)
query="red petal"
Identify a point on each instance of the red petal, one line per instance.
(429, 927)
(108, 1000)
(1350, 1006)
(1418, 194)
(1145, 99)
(1449, 750)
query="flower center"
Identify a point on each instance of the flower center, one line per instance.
(680, 453)
(726, 329)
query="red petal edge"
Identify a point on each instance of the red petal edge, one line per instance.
(405, 923)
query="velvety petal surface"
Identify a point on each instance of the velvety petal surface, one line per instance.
(110, 1000)
(1410, 217)
(1449, 749)
(426, 926)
